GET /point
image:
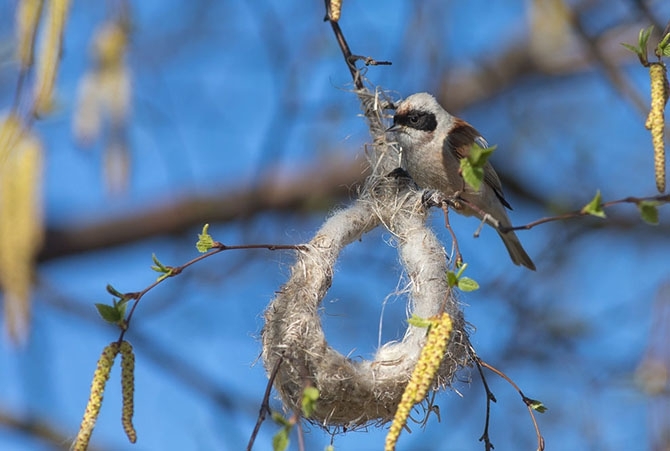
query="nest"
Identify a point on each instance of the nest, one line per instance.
(357, 393)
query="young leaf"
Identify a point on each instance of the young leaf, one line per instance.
(417, 321)
(452, 279)
(649, 212)
(644, 38)
(158, 266)
(121, 306)
(595, 207)
(205, 241)
(536, 405)
(663, 48)
(114, 292)
(472, 166)
(461, 269)
(632, 48)
(467, 284)
(280, 420)
(472, 176)
(479, 155)
(280, 440)
(309, 398)
(109, 313)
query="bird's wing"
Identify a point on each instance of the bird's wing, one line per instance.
(492, 180)
(459, 142)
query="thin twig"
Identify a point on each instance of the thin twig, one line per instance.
(526, 400)
(575, 214)
(301, 435)
(455, 200)
(216, 248)
(457, 252)
(490, 397)
(265, 404)
(349, 58)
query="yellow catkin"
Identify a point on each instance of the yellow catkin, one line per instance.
(422, 377)
(109, 44)
(21, 230)
(128, 389)
(100, 378)
(656, 119)
(335, 10)
(49, 55)
(27, 19)
(11, 129)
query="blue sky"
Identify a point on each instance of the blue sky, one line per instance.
(225, 92)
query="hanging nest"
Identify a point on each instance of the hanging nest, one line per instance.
(357, 393)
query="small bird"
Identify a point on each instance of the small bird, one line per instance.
(432, 143)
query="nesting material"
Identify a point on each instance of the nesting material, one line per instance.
(357, 393)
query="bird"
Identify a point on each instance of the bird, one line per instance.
(432, 143)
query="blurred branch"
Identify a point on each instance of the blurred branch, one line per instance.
(459, 89)
(316, 188)
(613, 72)
(40, 430)
(648, 15)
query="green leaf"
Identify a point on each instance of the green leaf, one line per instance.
(595, 207)
(280, 420)
(479, 155)
(663, 47)
(205, 241)
(461, 268)
(536, 405)
(452, 279)
(467, 284)
(280, 441)
(121, 306)
(632, 48)
(165, 271)
(417, 321)
(472, 166)
(643, 39)
(462, 283)
(309, 398)
(158, 266)
(114, 292)
(109, 313)
(330, 448)
(472, 176)
(648, 211)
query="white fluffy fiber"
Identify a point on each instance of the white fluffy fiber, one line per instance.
(356, 393)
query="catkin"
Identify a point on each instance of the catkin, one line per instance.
(100, 378)
(49, 55)
(656, 119)
(422, 377)
(27, 19)
(128, 389)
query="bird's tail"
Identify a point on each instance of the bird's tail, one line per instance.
(516, 250)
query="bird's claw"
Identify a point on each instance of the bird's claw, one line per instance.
(432, 198)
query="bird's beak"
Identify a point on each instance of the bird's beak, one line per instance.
(393, 128)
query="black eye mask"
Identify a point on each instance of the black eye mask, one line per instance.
(419, 120)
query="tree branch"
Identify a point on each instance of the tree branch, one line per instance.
(316, 188)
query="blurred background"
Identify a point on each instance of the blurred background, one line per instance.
(239, 114)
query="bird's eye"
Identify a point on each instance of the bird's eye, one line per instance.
(413, 118)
